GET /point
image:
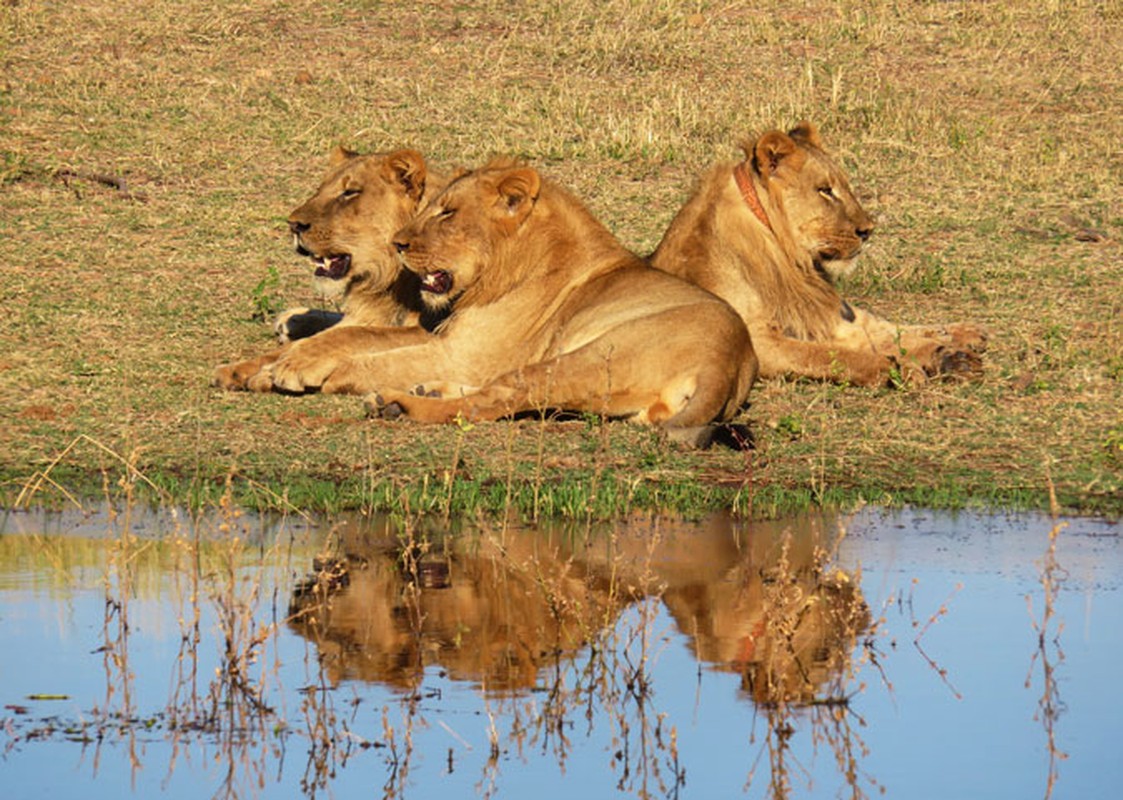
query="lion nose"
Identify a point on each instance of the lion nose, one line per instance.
(298, 227)
(401, 246)
(864, 231)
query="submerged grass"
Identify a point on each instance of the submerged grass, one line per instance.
(147, 161)
(558, 630)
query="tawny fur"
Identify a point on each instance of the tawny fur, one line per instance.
(359, 205)
(550, 311)
(778, 273)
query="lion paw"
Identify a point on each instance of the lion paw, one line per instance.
(968, 336)
(300, 323)
(300, 372)
(957, 364)
(384, 405)
(226, 377)
(239, 377)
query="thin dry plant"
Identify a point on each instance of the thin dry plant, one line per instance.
(933, 618)
(1049, 655)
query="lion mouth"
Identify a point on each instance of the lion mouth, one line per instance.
(333, 267)
(439, 282)
(832, 269)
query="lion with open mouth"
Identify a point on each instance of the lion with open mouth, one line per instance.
(550, 311)
(345, 229)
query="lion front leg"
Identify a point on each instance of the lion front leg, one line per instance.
(335, 360)
(966, 336)
(918, 352)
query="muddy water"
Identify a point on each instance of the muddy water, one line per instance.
(916, 654)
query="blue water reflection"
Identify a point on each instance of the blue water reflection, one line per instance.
(554, 664)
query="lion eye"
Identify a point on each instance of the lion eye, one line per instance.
(828, 192)
(347, 194)
(447, 213)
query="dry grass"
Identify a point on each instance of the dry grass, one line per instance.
(149, 152)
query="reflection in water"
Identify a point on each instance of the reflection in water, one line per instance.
(195, 656)
(571, 617)
(1048, 654)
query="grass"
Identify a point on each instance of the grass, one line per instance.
(983, 137)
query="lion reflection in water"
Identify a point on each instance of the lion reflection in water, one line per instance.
(497, 609)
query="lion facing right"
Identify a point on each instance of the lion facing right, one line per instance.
(769, 235)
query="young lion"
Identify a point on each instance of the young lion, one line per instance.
(769, 235)
(345, 229)
(551, 312)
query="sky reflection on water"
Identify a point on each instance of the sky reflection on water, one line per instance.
(611, 668)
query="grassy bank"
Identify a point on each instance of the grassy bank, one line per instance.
(149, 153)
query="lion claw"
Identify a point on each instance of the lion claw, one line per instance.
(962, 364)
(378, 408)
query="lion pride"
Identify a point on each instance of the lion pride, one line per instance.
(551, 312)
(770, 235)
(345, 229)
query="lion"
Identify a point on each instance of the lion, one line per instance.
(770, 235)
(345, 229)
(549, 312)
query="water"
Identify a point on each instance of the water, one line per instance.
(913, 654)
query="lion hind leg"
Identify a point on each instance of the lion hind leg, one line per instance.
(488, 404)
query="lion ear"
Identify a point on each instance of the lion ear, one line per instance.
(806, 134)
(407, 167)
(771, 150)
(339, 154)
(518, 191)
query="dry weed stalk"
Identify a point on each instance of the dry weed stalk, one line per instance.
(933, 618)
(232, 709)
(119, 583)
(1049, 706)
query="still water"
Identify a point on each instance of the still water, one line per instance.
(900, 654)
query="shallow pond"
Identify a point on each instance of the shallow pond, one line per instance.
(910, 654)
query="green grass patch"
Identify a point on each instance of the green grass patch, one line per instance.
(996, 199)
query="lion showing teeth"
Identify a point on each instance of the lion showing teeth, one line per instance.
(345, 230)
(551, 312)
(770, 235)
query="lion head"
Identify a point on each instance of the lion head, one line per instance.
(825, 221)
(456, 244)
(347, 225)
